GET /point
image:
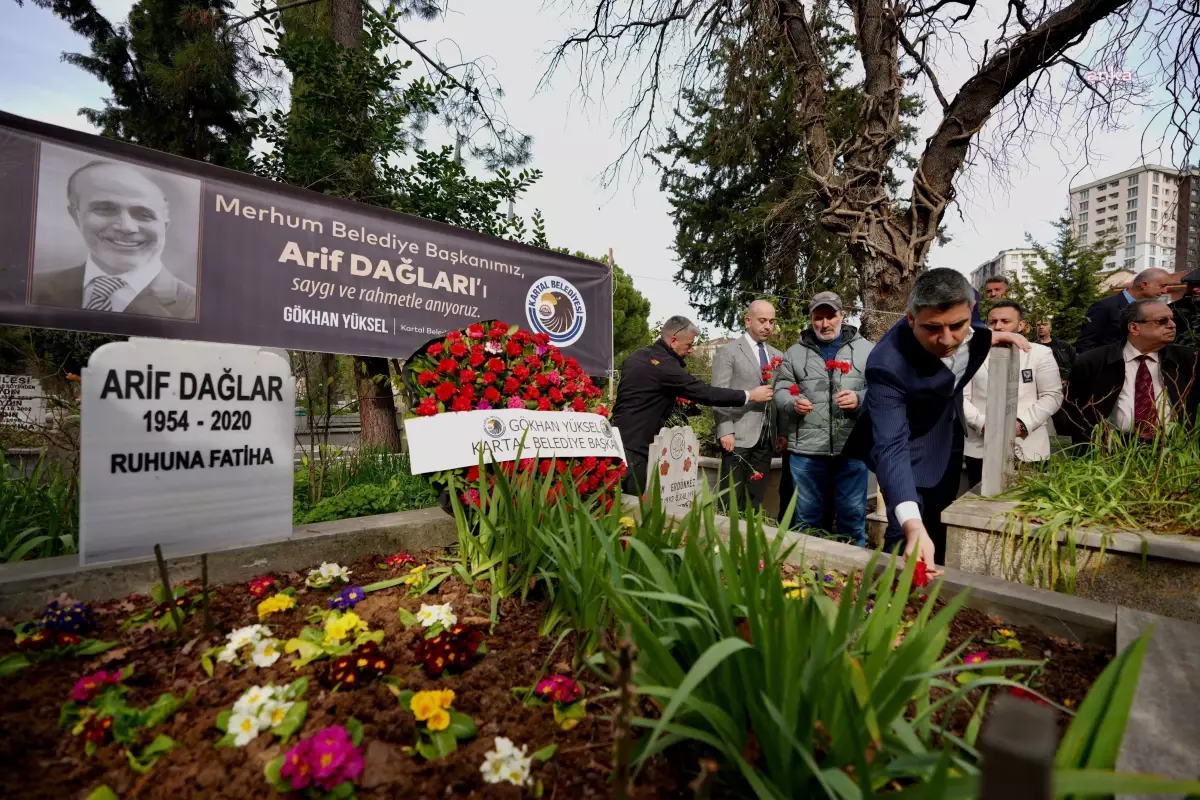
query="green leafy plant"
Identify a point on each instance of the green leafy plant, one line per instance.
(39, 512)
(160, 611)
(100, 712)
(279, 711)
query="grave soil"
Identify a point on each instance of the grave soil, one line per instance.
(43, 760)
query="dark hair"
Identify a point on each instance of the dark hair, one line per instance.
(942, 288)
(1008, 304)
(996, 279)
(1133, 313)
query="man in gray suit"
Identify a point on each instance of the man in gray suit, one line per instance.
(748, 434)
(123, 218)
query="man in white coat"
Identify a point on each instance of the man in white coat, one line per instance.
(1039, 396)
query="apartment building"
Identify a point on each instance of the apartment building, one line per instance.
(1014, 262)
(1187, 237)
(1141, 207)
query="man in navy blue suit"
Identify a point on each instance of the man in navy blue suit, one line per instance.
(910, 432)
(1103, 326)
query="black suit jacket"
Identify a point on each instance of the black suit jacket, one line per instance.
(1098, 375)
(652, 379)
(165, 296)
(912, 421)
(1104, 324)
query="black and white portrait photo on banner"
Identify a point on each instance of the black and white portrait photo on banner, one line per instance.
(114, 237)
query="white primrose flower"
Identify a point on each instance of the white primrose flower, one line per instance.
(244, 636)
(252, 700)
(436, 615)
(266, 652)
(244, 728)
(506, 763)
(272, 713)
(227, 655)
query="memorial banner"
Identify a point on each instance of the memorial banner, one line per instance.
(452, 441)
(103, 236)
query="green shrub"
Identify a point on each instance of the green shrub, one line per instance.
(360, 485)
(39, 514)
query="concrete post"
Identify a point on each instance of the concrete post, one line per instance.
(1003, 366)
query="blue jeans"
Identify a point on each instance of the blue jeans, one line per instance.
(813, 476)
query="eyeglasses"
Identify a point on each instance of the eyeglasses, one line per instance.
(1160, 322)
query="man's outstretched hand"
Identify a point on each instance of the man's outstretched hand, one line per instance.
(761, 394)
(918, 543)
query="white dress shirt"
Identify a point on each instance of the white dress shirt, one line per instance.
(1125, 400)
(135, 282)
(956, 362)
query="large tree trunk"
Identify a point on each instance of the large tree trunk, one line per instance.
(884, 292)
(376, 404)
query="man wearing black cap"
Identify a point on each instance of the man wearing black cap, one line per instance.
(818, 394)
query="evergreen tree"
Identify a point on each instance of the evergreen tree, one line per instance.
(1070, 282)
(731, 178)
(175, 71)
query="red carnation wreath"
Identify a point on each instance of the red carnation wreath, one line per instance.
(491, 365)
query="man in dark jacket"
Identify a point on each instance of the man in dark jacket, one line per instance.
(652, 379)
(911, 430)
(1136, 386)
(1187, 311)
(1064, 353)
(1104, 316)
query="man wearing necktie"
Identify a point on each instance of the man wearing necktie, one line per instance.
(1138, 386)
(749, 435)
(123, 218)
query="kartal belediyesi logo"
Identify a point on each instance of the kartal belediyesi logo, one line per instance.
(555, 307)
(494, 427)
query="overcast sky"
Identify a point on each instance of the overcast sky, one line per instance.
(573, 143)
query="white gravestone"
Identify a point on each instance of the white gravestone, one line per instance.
(1000, 415)
(22, 402)
(675, 458)
(184, 444)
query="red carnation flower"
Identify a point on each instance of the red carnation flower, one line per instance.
(514, 348)
(447, 366)
(544, 468)
(831, 365)
(556, 395)
(488, 378)
(495, 365)
(467, 376)
(541, 338)
(454, 336)
(541, 380)
(461, 404)
(794, 390)
(543, 404)
(579, 405)
(435, 349)
(445, 391)
(757, 476)
(601, 410)
(520, 372)
(472, 474)
(492, 395)
(458, 349)
(467, 391)
(532, 393)
(475, 331)
(427, 377)
(477, 359)
(534, 363)
(557, 358)
(1025, 694)
(920, 575)
(511, 386)
(426, 408)
(845, 367)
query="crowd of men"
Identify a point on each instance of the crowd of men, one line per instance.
(912, 407)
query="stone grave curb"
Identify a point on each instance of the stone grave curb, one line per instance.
(26, 586)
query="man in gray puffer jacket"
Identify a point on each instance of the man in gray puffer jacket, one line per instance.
(820, 388)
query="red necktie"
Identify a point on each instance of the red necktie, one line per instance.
(1145, 414)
